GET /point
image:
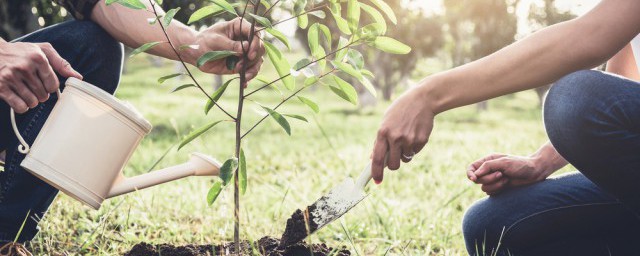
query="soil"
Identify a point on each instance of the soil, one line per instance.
(299, 226)
(266, 246)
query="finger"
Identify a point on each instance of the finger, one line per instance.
(58, 63)
(36, 86)
(472, 176)
(480, 161)
(48, 77)
(407, 153)
(490, 166)
(492, 189)
(490, 178)
(394, 156)
(255, 47)
(25, 94)
(241, 28)
(15, 102)
(377, 160)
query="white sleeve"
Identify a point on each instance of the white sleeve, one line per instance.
(635, 45)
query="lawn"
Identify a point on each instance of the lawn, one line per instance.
(416, 211)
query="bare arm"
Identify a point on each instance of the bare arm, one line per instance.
(539, 59)
(624, 64)
(132, 28)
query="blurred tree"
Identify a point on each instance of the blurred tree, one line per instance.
(421, 32)
(541, 16)
(479, 28)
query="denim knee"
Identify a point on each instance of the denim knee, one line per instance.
(572, 106)
(479, 229)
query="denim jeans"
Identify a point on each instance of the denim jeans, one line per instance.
(98, 57)
(593, 120)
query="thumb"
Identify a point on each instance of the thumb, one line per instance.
(489, 166)
(59, 64)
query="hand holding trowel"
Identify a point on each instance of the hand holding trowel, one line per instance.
(326, 209)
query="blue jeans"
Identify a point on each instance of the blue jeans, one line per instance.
(98, 57)
(593, 120)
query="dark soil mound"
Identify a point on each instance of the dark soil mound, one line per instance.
(266, 246)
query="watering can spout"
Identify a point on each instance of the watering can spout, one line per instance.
(198, 165)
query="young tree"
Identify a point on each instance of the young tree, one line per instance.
(325, 61)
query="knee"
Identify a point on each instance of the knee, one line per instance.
(570, 106)
(479, 228)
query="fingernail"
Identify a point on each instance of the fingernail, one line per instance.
(499, 175)
(377, 182)
(472, 178)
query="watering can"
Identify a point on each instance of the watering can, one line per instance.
(86, 142)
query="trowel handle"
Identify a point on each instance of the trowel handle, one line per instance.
(365, 175)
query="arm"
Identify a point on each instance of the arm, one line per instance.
(539, 59)
(497, 171)
(132, 28)
(624, 64)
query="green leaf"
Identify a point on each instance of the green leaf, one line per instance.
(390, 45)
(376, 15)
(182, 87)
(303, 21)
(371, 32)
(342, 43)
(165, 78)
(280, 119)
(213, 56)
(342, 23)
(204, 12)
(299, 6)
(144, 48)
(367, 73)
(226, 6)
(346, 68)
(266, 4)
(309, 103)
(242, 173)
(227, 169)
(327, 34)
(168, 17)
(133, 4)
(281, 64)
(261, 20)
(318, 54)
(319, 13)
(196, 133)
(367, 85)
(312, 37)
(353, 15)
(344, 90)
(214, 191)
(301, 64)
(216, 96)
(384, 7)
(355, 58)
(280, 36)
(299, 117)
(311, 80)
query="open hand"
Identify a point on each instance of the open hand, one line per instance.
(27, 73)
(497, 172)
(231, 36)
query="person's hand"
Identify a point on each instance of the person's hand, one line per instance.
(230, 36)
(27, 73)
(497, 172)
(404, 131)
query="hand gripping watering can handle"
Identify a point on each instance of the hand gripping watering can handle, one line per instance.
(24, 146)
(365, 175)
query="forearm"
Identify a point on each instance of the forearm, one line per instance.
(624, 64)
(132, 28)
(539, 59)
(548, 160)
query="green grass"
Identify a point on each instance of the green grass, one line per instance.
(415, 211)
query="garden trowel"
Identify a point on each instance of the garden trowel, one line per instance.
(327, 209)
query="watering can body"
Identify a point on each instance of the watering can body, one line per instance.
(86, 142)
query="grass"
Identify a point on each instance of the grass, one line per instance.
(415, 211)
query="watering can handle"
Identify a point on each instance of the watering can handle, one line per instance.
(24, 146)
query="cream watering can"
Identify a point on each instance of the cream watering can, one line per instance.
(86, 142)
